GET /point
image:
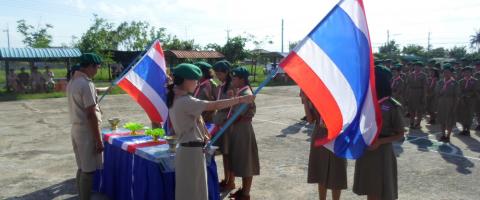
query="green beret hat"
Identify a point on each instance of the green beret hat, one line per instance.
(187, 71)
(90, 58)
(448, 67)
(222, 65)
(203, 65)
(467, 68)
(418, 63)
(241, 72)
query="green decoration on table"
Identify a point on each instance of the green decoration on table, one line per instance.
(155, 133)
(133, 127)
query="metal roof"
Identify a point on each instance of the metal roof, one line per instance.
(38, 53)
(194, 54)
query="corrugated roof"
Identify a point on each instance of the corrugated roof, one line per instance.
(194, 54)
(39, 53)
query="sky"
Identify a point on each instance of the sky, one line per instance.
(450, 23)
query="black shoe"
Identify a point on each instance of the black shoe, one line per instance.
(304, 118)
(442, 138)
(465, 133)
(478, 128)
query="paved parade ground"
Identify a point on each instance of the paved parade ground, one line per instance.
(36, 157)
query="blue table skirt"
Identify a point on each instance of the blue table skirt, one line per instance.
(129, 176)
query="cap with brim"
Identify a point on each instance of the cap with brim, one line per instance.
(187, 71)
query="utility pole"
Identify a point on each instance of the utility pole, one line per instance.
(282, 36)
(388, 36)
(228, 33)
(428, 43)
(8, 36)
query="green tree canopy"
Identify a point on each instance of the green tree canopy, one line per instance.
(35, 38)
(413, 49)
(457, 52)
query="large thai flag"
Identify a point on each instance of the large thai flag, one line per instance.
(334, 66)
(145, 82)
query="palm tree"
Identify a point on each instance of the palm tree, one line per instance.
(475, 40)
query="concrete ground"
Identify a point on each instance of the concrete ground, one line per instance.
(36, 158)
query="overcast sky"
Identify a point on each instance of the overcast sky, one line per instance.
(451, 23)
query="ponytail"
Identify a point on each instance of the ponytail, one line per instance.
(171, 93)
(228, 82)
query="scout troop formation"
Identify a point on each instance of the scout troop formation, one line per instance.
(448, 92)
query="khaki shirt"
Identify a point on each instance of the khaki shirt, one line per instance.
(81, 93)
(185, 115)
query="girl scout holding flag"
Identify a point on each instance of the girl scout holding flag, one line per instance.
(185, 114)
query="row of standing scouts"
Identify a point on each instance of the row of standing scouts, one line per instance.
(447, 92)
(193, 99)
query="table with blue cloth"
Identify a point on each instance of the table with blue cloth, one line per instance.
(136, 168)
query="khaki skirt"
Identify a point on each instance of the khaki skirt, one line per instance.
(243, 150)
(376, 173)
(190, 174)
(325, 168)
(84, 147)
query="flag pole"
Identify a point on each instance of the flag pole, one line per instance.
(134, 61)
(240, 110)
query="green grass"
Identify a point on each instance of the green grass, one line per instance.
(101, 80)
(102, 74)
(260, 76)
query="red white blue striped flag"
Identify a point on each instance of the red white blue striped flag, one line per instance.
(145, 83)
(334, 66)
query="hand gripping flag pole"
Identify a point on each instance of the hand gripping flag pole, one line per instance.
(134, 61)
(240, 110)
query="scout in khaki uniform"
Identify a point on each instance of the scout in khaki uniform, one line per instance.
(224, 91)
(85, 117)
(398, 84)
(324, 168)
(447, 95)
(185, 114)
(206, 88)
(468, 87)
(376, 171)
(416, 89)
(243, 151)
(433, 77)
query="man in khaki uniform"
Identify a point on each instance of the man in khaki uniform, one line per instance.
(85, 117)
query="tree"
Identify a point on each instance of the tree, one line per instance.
(475, 41)
(213, 47)
(437, 53)
(457, 52)
(133, 36)
(234, 49)
(413, 49)
(175, 43)
(35, 38)
(390, 49)
(292, 45)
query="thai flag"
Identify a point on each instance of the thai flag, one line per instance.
(334, 66)
(145, 82)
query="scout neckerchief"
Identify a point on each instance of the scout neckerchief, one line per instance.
(195, 94)
(445, 84)
(394, 81)
(433, 82)
(383, 99)
(237, 95)
(416, 74)
(467, 80)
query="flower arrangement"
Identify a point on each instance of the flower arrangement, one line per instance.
(155, 133)
(133, 127)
